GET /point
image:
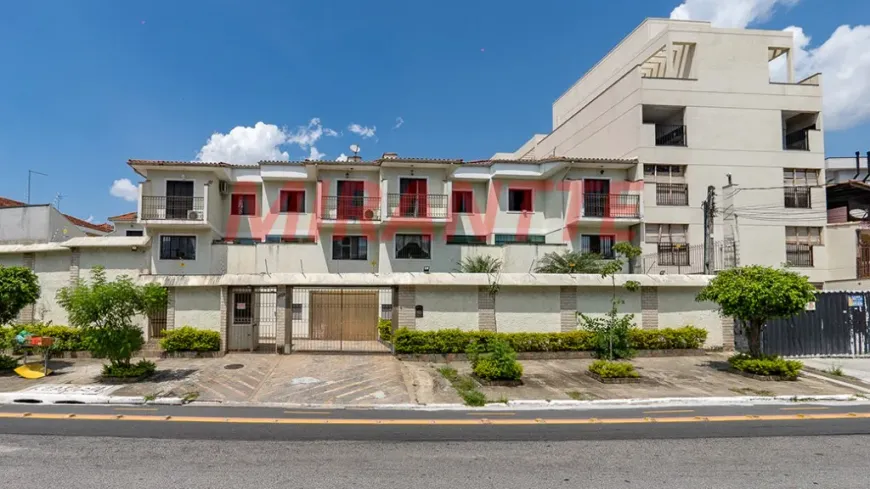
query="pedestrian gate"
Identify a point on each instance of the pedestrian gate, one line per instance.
(253, 322)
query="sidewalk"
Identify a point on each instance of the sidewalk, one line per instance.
(382, 380)
(853, 367)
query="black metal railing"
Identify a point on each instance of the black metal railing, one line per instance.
(682, 259)
(417, 205)
(671, 135)
(611, 205)
(799, 255)
(672, 194)
(797, 197)
(351, 208)
(172, 208)
(798, 140)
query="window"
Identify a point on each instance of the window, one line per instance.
(673, 254)
(503, 239)
(462, 201)
(799, 242)
(350, 248)
(387, 311)
(275, 238)
(135, 232)
(296, 312)
(292, 201)
(664, 173)
(520, 200)
(466, 239)
(243, 204)
(672, 194)
(413, 246)
(797, 183)
(178, 247)
(600, 245)
(666, 233)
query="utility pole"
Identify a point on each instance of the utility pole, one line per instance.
(29, 176)
(709, 206)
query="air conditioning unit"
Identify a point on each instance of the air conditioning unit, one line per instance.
(194, 216)
(369, 214)
(224, 187)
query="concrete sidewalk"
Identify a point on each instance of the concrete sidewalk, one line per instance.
(853, 367)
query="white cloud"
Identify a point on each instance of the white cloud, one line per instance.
(364, 131)
(315, 155)
(341, 157)
(330, 132)
(125, 189)
(246, 145)
(842, 59)
(729, 13)
(399, 122)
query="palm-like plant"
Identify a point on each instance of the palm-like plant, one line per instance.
(480, 264)
(570, 262)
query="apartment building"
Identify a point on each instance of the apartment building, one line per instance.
(388, 215)
(706, 107)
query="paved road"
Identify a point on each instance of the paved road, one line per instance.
(93, 463)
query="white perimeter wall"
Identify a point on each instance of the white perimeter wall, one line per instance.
(199, 307)
(527, 309)
(678, 308)
(447, 308)
(53, 272)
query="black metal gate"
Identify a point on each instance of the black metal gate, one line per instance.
(836, 324)
(339, 319)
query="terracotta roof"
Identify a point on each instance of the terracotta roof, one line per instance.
(219, 164)
(555, 159)
(4, 202)
(130, 216)
(106, 228)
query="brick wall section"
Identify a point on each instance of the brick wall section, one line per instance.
(727, 333)
(224, 317)
(407, 301)
(27, 314)
(282, 314)
(649, 307)
(568, 308)
(485, 309)
(170, 308)
(74, 272)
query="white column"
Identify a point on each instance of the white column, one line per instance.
(139, 202)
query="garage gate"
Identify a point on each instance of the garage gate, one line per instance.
(339, 319)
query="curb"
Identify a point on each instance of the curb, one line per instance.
(25, 397)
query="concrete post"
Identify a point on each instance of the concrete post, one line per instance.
(224, 317)
(407, 301)
(27, 314)
(485, 310)
(170, 308)
(74, 265)
(727, 333)
(568, 308)
(649, 307)
(283, 317)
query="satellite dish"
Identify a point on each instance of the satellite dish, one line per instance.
(354, 148)
(858, 213)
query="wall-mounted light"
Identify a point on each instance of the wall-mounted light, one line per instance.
(347, 174)
(412, 172)
(425, 269)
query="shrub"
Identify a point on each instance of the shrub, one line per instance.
(385, 329)
(7, 363)
(766, 365)
(19, 287)
(668, 339)
(143, 368)
(473, 397)
(66, 338)
(613, 370)
(611, 335)
(495, 361)
(188, 338)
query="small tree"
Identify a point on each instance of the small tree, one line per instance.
(755, 294)
(19, 288)
(105, 311)
(570, 262)
(489, 265)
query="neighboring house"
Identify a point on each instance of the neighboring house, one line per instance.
(840, 169)
(127, 225)
(23, 223)
(696, 105)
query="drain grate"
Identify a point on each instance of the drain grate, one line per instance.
(233, 366)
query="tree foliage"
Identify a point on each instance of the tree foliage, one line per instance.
(105, 310)
(19, 288)
(755, 294)
(570, 262)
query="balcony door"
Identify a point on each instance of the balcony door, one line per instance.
(351, 196)
(179, 199)
(412, 197)
(596, 197)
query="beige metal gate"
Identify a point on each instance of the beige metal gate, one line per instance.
(335, 319)
(253, 319)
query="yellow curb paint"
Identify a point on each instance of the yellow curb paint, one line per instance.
(437, 422)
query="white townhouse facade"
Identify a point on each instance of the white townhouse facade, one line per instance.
(696, 105)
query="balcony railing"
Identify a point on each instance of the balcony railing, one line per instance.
(351, 208)
(160, 208)
(611, 205)
(798, 140)
(417, 205)
(671, 135)
(689, 260)
(797, 197)
(672, 194)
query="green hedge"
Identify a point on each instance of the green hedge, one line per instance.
(385, 329)
(767, 365)
(188, 338)
(613, 370)
(457, 341)
(66, 338)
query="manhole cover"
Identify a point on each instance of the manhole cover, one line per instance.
(234, 366)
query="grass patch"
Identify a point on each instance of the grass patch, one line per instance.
(748, 391)
(149, 397)
(766, 365)
(581, 396)
(613, 370)
(465, 386)
(7, 363)
(190, 397)
(835, 370)
(141, 369)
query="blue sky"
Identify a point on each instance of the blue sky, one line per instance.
(89, 84)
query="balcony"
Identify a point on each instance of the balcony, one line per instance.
(160, 208)
(672, 194)
(417, 206)
(798, 140)
(351, 208)
(671, 135)
(611, 205)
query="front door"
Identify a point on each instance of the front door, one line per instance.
(351, 197)
(596, 197)
(179, 199)
(412, 197)
(243, 321)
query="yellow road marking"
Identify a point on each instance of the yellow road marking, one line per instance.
(805, 408)
(442, 422)
(495, 413)
(675, 411)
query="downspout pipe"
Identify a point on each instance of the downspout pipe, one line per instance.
(857, 165)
